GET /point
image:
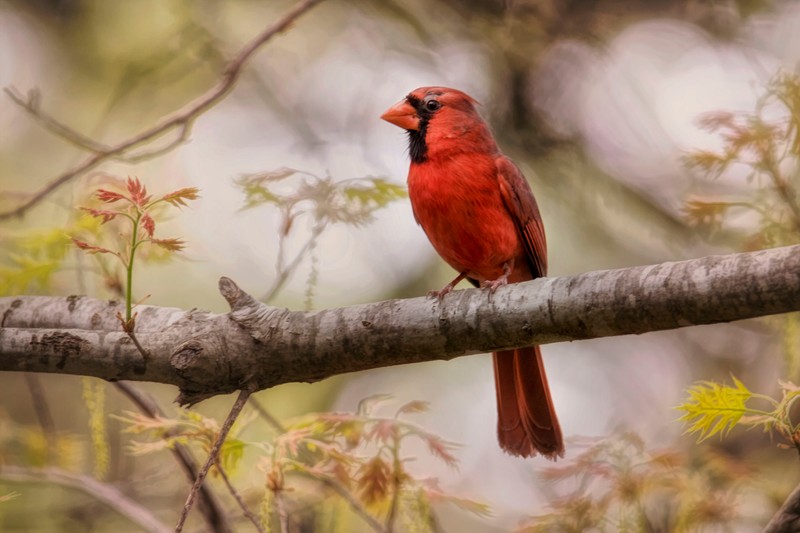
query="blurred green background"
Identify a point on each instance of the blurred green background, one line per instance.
(597, 101)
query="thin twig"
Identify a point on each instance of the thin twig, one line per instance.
(285, 271)
(397, 484)
(181, 119)
(31, 105)
(102, 492)
(213, 512)
(213, 456)
(138, 345)
(42, 410)
(283, 515)
(238, 497)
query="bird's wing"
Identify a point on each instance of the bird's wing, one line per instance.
(521, 204)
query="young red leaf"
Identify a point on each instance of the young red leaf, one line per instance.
(148, 224)
(373, 481)
(179, 197)
(137, 191)
(384, 431)
(101, 213)
(90, 248)
(108, 197)
(172, 245)
(440, 449)
(415, 406)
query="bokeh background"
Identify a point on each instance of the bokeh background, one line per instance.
(596, 101)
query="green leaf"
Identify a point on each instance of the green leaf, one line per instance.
(713, 408)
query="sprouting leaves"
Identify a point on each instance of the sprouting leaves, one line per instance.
(136, 213)
(90, 248)
(351, 201)
(374, 485)
(714, 408)
(619, 483)
(320, 201)
(357, 456)
(108, 197)
(179, 197)
(764, 148)
(171, 245)
(190, 427)
(362, 453)
(103, 214)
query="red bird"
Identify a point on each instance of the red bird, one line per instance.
(479, 213)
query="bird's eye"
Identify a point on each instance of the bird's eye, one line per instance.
(432, 105)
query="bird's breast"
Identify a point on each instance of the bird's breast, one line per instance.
(460, 208)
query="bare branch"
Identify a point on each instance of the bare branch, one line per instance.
(102, 492)
(256, 345)
(213, 456)
(31, 106)
(180, 120)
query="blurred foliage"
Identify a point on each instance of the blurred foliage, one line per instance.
(323, 201)
(29, 445)
(94, 396)
(768, 150)
(357, 457)
(189, 427)
(30, 259)
(617, 485)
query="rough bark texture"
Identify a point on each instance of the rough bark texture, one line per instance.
(787, 519)
(206, 354)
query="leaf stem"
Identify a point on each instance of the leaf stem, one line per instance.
(129, 268)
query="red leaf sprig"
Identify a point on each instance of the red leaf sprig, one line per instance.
(134, 204)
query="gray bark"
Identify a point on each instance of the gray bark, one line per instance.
(259, 346)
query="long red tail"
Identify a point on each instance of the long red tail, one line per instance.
(527, 422)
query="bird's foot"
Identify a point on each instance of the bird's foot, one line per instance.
(494, 284)
(440, 294)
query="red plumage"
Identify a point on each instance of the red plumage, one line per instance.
(479, 213)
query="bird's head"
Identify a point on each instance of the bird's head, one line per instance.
(439, 119)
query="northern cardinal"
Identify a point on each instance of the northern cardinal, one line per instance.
(479, 213)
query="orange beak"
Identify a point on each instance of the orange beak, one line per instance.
(402, 114)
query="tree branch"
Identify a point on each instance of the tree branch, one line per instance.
(259, 346)
(102, 492)
(787, 519)
(180, 121)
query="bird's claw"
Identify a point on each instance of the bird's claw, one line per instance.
(440, 294)
(494, 284)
